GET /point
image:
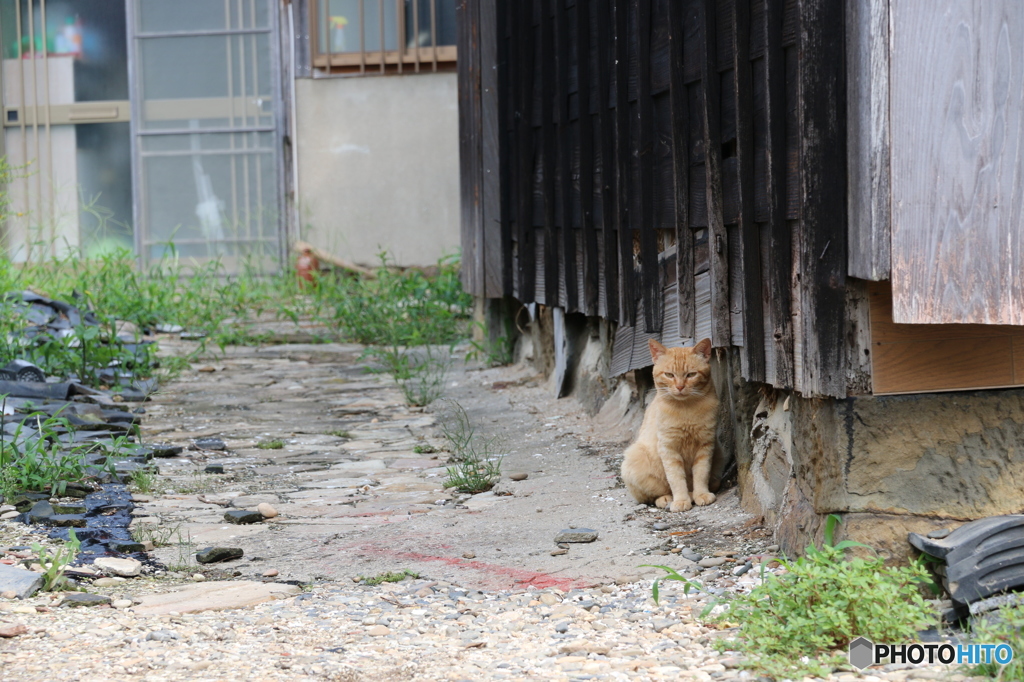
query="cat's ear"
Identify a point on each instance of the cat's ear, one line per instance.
(703, 349)
(657, 350)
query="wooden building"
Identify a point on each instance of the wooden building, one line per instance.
(833, 191)
(721, 168)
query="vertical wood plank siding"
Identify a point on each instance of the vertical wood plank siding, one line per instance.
(675, 166)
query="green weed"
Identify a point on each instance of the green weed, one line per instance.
(339, 433)
(55, 565)
(421, 377)
(424, 449)
(799, 623)
(477, 462)
(389, 577)
(275, 444)
(143, 481)
(1006, 627)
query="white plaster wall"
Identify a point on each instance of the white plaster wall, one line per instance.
(378, 162)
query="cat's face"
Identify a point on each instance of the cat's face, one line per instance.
(682, 372)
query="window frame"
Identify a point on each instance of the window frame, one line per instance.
(431, 58)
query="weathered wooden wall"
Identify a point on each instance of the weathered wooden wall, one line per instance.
(957, 107)
(675, 166)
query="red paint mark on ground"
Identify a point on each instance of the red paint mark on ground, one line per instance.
(518, 576)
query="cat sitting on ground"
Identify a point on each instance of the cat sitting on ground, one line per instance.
(671, 457)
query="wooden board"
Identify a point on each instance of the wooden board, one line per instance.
(867, 135)
(957, 107)
(916, 358)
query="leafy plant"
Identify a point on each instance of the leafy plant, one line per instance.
(491, 352)
(477, 462)
(1007, 627)
(40, 463)
(389, 577)
(143, 481)
(823, 601)
(339, 433)
(421, 378)
(275, 444)
(424, 449)
(55, 565)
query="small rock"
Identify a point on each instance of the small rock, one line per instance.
(562, 627)
(148, 546)
(549, 599)
(136, 497)
(12, 630)
(772, 548)
(162, 636)
(22, 583)
(75, 599)
(198, 577)
(468, 555)
(214, 469)
(939, 534)
(378, 631)
(164, 450)
(727, 533)
(559, 552)
(210, 444)
(128, 547)
(107, 582)
(661, 526)
(576, 535)
(266, 510)
(519, 476)
(65, 521)
(9, 594)
(663, 623)
(41, 511)
(242, 517)
(7, 507)
(711, 562)
(214, 554)
(126, 568)
(9, 515)
(271, 573)
(740, 570)
(122, 603)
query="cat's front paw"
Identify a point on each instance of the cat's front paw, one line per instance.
(680, 505)
(663, 501)
(703, 499)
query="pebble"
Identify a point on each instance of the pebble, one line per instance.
(107, 582)
(214, 554)
(379, 631)
(270, 573)
(73, 599)
(267, 510)
(9, 594)
(468, 555)
(559, 552)
(125, 568)
(122, 603)
(242, 516)
(161, 636)
(198, 577)
(576, 535)
(519, 476)
(711, 562)
(9, 515)
(661, 526)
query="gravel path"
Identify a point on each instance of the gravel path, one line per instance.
(411, 630)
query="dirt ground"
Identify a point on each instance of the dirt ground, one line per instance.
(368, 503)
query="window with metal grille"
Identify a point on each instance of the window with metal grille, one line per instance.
(383, 36)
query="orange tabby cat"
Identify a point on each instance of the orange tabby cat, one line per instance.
(677, 437)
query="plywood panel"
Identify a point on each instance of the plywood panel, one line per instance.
(923, 358)
(957, 106)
